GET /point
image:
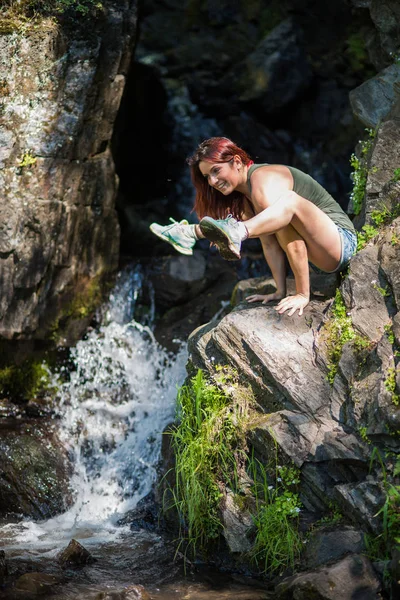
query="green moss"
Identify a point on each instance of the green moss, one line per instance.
(379, 218)
(360, 171)
(357, 54)
(271, 16)
(25, 381)
(87, 297)
(19, 16)
(363, 434)
(389, 333)
(396, 175)
(338, 331)
(390, 385)
(332, 517)
(394, 239)
(27, 159)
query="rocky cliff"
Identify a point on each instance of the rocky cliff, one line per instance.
(61, 87)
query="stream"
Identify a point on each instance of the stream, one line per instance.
(114, 406)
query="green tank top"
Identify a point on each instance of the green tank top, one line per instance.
(307, 187)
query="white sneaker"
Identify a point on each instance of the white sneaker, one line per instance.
(180, 235)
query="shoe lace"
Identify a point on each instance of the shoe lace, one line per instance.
(230, 217)
(175, 223)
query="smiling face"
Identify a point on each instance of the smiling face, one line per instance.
(224, 177)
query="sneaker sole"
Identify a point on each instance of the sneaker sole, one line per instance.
(181, 249)
(216, 235)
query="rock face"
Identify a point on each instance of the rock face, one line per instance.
(351, 578)
(315, 424)
(59, 234)
(35, 471)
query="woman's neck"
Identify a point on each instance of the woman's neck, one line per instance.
(243, 185)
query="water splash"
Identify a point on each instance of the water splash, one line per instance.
(115, 406)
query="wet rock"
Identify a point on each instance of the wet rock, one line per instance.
(144, 516)
(351, 578)
(329, 545)
(32, 585)
(368, 407)
(133, 592)
(35, 472)
(75, 555)
(59, 225)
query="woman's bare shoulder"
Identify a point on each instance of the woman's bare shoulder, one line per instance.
(271, 176)
(271, 172)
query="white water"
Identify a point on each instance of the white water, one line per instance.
(118, 401)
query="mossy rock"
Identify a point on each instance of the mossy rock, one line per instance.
(34, 479)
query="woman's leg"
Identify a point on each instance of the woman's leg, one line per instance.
(318, 231)
(296, 251)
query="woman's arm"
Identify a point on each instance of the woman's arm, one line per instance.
(268, 186)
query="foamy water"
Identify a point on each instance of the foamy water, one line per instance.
(114, 409)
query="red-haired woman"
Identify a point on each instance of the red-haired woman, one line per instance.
(287, 209)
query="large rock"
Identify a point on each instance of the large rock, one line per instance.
(351, 578)
(324, 429)
(276, 72)
(382, 191)
(275, 353)
(330, 545)
(32, 585)
(35, 471)
(59, 227)
(372, 101)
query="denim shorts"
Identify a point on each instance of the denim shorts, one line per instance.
(348, 241)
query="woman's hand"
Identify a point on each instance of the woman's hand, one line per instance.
(293, 303)
(266, 298)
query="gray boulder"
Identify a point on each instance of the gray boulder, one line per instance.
(350, 579)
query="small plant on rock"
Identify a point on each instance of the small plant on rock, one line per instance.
(396, 175)
(379, 218)
(390, 385)
(360, 172)
(339, 330)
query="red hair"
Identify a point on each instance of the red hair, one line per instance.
(210, 201)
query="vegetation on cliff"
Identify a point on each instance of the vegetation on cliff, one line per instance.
(212, 459)
(19, 14)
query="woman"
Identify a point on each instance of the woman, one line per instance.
(288, 210)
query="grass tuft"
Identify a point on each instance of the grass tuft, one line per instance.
(204, 443)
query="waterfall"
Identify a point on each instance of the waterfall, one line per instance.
(118, 399)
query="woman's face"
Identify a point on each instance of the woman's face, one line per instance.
(224, 177)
